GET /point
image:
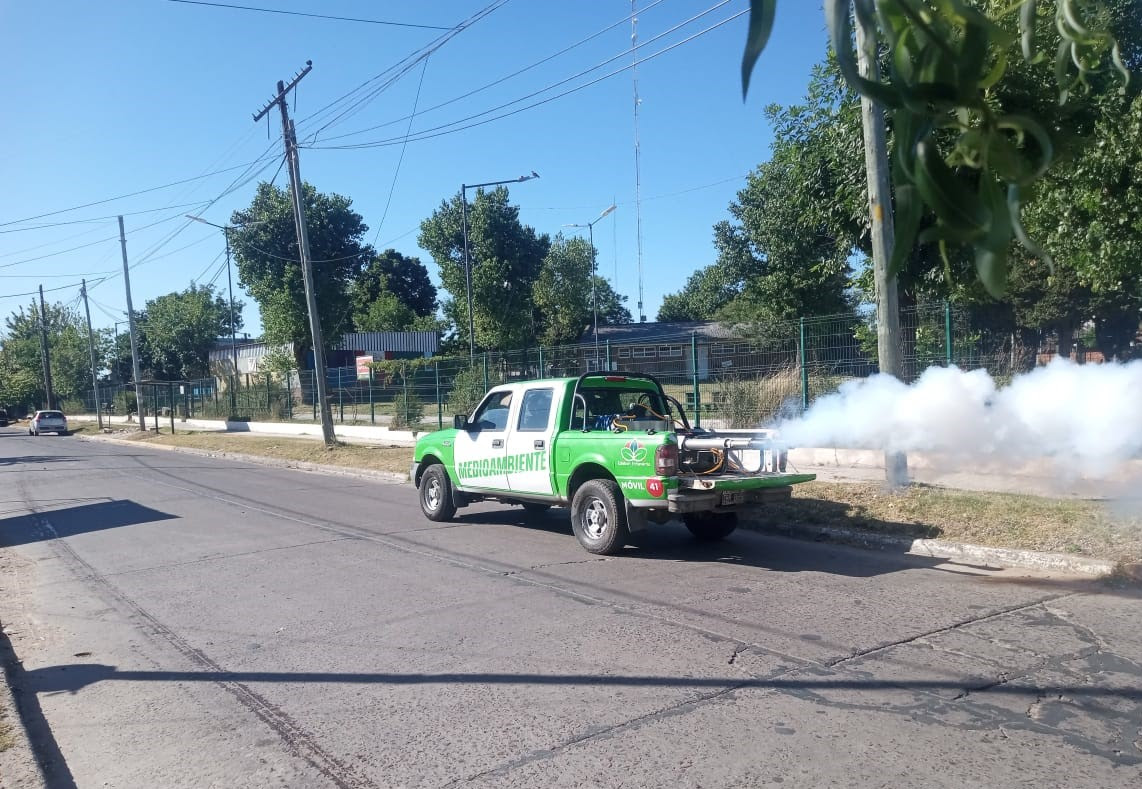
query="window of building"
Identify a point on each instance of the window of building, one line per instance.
(643, 352)
(670, 351)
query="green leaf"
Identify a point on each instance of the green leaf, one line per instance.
(1027, 29)
(909, 211)
(992, 250)
(957, 208)
(1015, 208)
(840, 32)
(761, 15)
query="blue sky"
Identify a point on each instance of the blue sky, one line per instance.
(105, 99)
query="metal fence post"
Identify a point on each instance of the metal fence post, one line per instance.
(312, 393)
(170, 395)
(372, 407)
(269, 408)
(804, 371)
(485, 371)
(542, 373)
(948, 331)
(694, 377)
(439, 402)
(341, 398)
(609, 367)
(289, 395)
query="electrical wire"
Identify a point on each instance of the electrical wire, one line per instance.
(400, 159)
(444, 129)
(126, 195)
(312, 16)
(95, 219)
(209, 266)
(499, 81)
(401, 67)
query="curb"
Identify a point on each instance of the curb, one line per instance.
(390, 477)
(942, 549)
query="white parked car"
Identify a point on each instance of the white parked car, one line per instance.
(47, 422)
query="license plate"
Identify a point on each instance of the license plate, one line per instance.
(733, 497)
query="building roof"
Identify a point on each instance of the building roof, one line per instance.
(672, 331)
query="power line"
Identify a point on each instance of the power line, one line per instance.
(401, 67)
(93, 219)
(129, 194)
(499, 81)
(400, 159)
(313, 16)
(444, 129)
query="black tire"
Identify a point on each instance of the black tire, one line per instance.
(436, 494)
(599, 518)
(535, 507)
(711, 526)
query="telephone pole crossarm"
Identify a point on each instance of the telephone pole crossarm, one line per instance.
(282, 91)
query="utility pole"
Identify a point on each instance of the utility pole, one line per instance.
(290, 139)
(44, 353)
(131, 327)
(91, 352)
(880, 214)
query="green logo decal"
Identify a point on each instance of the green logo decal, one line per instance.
(633, 452)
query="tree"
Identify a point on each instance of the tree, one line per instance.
(179, 330)
(563, 291)
(963, 156)
(265, 246)
(706, 291)
(611, 304)
(506, 258)
(21, 364)
(393, 293)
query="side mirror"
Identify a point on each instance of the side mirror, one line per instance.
(460, 422)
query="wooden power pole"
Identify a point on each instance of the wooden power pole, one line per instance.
(131, 325)
(888, 345)
(292, 161)
(91, 352)
(45, 352)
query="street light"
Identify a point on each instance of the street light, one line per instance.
(467, 261)
(230, 286)
(594, 273)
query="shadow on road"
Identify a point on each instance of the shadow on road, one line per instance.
(82, 519)
(56, 773)
(672, 542)
(74, 677)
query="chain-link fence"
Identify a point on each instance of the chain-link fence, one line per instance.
(722, 376)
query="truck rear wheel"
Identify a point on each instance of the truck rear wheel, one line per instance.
(436, 494)
(598, 517)
(711, 526)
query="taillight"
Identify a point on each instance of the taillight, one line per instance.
(666, 460)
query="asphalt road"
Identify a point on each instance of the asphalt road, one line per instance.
(183, 621)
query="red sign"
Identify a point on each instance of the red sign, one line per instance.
(363, 368)
(654, 488)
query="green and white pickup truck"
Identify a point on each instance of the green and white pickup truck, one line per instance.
(612, 445)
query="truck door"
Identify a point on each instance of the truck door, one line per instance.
(481, 449)
(529, 442)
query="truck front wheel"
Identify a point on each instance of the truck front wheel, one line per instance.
(436, 494)
(598, 517)
(711, 526)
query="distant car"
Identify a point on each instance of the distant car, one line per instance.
(3, 418)
(47, 422)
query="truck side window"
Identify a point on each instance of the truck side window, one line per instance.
(493, 414)
(535, 410)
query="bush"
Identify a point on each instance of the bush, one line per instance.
(407, 411)
(468, 389)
